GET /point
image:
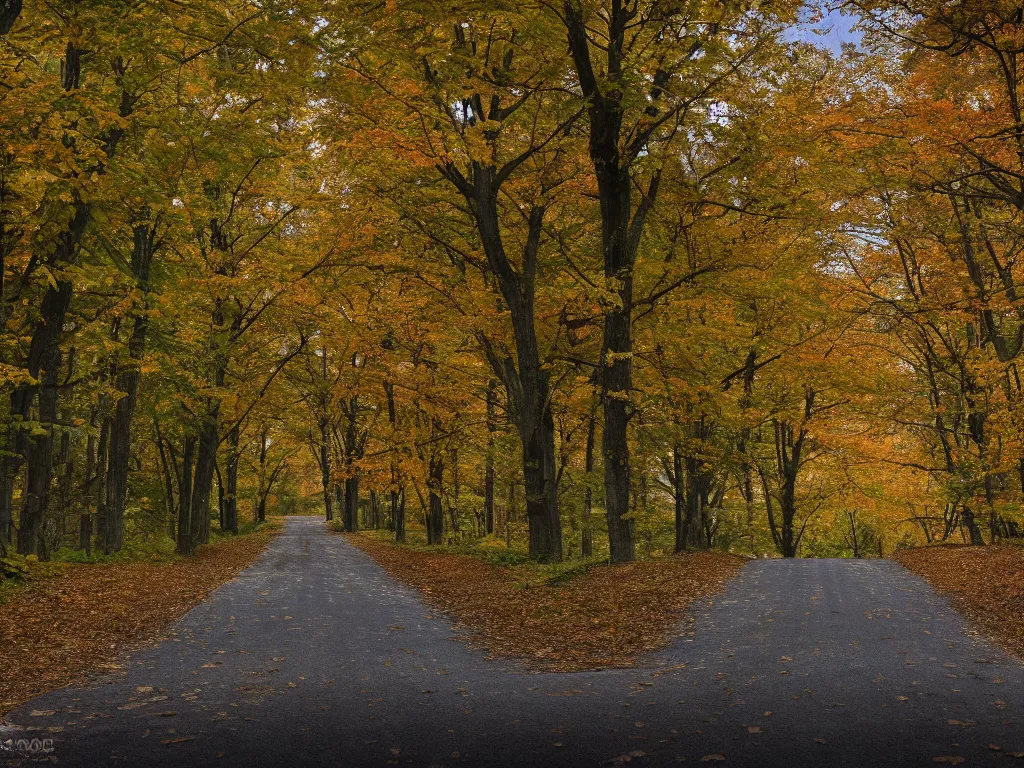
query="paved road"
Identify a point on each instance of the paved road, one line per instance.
(314, 656)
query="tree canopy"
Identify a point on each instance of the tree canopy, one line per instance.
(585, 278)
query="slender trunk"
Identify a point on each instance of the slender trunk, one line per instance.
(680, 498)
(397, 490)
(324, 456)
(85, 518)
(489, 460)
(453, 510)
(128, 383)
(398, 514)
(587, 530)
(185, 497)
(165, 466)
(231, 490)
(100, 490)
(220, 494)
(435, 511)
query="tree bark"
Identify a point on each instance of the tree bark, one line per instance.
(39, 464)
(9, 12)
(489, 461)
(679, 493)
(128, 383)
(231, 484)
(324, 458)
(435, 511)
(525, 379)
(202, 481)
(587, 527)
(398, 514)
(351, 515)
(184, 543)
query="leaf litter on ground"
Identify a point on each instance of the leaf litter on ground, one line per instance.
(604, 616)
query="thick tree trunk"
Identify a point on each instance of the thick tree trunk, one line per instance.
(696, 488)
(202, 482)
(540, 482)
(621, 232)
(39, 464)
(971, 524)
(526, 382)
(351, 513)
(9, 12)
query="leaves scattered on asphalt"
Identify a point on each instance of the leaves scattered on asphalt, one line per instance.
(607, 616)
(81, 620)
(986, 584)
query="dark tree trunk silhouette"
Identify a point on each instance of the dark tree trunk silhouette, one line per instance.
(127, 383)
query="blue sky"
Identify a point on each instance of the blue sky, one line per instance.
(832, 31)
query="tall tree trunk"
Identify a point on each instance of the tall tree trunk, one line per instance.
(231, 489)
(324, 458)
(397, 490)
(587, 530)
(621, 232)
(39, 464)
(9, 12)
(679, 493)
(696, 498)
(165, 467)
(398, 514)
(351, 444)
(540, 480)
(525, 379)
(100, 489)
(351, 518)
(435, 511)
(85, 518)
(128, 383)
(202, 481)
(184, 543)
(489, 461)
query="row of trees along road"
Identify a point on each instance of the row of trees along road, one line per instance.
(489, 270)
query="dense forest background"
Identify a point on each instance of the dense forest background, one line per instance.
(598, 278)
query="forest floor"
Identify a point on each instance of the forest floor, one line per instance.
(554, 619)
(986, 584)
(68, 622)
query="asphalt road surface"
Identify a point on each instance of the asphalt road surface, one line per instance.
(315, 656)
